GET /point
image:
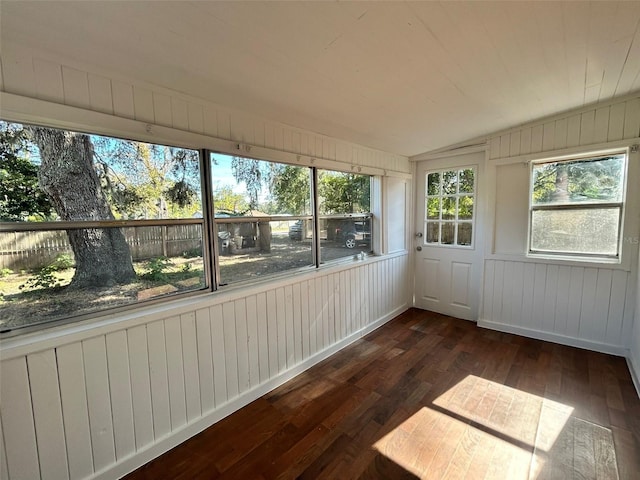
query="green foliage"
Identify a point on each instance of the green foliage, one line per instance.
(249, 171)
(20, 195)
(344, 193)
(225, 199)
(578, 181)
(192, 253)
(46, 277)
(186, 268)
(292, 190)
(157, 269)
(5, 272)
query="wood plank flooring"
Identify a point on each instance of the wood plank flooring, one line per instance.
(429, 396)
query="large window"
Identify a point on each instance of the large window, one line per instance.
(577, 205)
(449, 207)
(91, 224)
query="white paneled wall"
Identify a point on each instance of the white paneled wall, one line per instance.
(97, 406)
(586, 305)
(27, 73)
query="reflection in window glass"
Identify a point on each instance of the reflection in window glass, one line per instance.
(576, 206)
(49, 273)
(449, 207)
(345, 204)
(247, 195)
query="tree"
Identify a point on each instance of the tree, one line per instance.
(292, 190)
(224, 199)
(19, 193)
(344, 193)
(67, 175)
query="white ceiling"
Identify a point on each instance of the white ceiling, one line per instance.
(405, 77)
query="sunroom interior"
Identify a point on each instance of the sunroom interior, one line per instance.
(486, 158)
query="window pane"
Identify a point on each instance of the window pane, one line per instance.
(449, 183)
(433, 208)
(448, 233)
(465, 208)
(43, 280)
(341, 238)
(465, 230)
(587, 231)
(255, 249)
(466, 181)
(433, 232)
(449, 208)
(101, 178)
(341, 194)
(249, 189)
(591, 180)
(433, 184)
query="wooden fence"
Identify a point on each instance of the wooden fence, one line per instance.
(36, 249)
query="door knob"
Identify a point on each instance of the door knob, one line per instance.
(419, 248)
(419, 234)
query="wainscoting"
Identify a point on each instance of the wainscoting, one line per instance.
(98, 402)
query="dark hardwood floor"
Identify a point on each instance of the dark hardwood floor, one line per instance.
(429, 396)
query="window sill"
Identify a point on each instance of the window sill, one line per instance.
(612, 264)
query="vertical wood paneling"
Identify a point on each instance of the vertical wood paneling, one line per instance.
(498, 280)
(629, 310)
(263, 336)
(272, 332)
(548, 136)
(525, 141)
(75, 85)
(331, 296)
(575, 301)
(551, 290)
(99, 401)
(205, 360)
(313, 342)
(210, 120)
(602, 298)
(528, 282)
(242, 344)
(317, 288)
(562, 300)
(616, 122)
(162, 109)
(488, 289)
(505, 145)
(587, 127)
(18, 72)
(325, 298)
(219, 362)
(253, 344)
(179, 114)
(560, 135)
(506, 315)
(537, 133)
(4, 468)
(304, 319)
(515, 141)
(140, 385)
(587, 316)
(290, 330)
(517, 292)
(47, 415)
(632, 119)
(48, 77)
(120, 388)
(123, 104)
(297, 323)
(175, 372)
(281, 329)
(616, 308)
(494, 147)
(190, 359)
(143, 104)
(601, 125)
(539, 290)
(17, 420)
(159, 379)
(230, 349)
(224, 124)
(196, 117)
(573, 131)
(100, 95)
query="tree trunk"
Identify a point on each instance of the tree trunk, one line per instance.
(561, 192)
(68, 177)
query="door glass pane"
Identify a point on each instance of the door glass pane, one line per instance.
(449, 208)
(449, 183)
(464, 233)
(448, 233)
(433, 208)
(433, 184)
(465, 208)
(466, 181)
(433, 232)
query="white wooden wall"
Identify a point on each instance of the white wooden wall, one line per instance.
(587, 305)
(97, 402)
(98, 405)
(36, 75)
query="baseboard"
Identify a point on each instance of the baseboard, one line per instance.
(634, 369)
(556, 338)
(178, 436)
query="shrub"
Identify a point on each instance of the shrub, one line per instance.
(157, 267)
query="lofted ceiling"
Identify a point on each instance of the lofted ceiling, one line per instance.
(404, 77)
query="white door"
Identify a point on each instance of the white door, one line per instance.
(448, 237)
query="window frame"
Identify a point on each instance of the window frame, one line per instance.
(455, 221)
(572, 206)
(210, 253)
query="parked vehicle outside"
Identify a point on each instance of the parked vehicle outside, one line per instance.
(354, 233)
